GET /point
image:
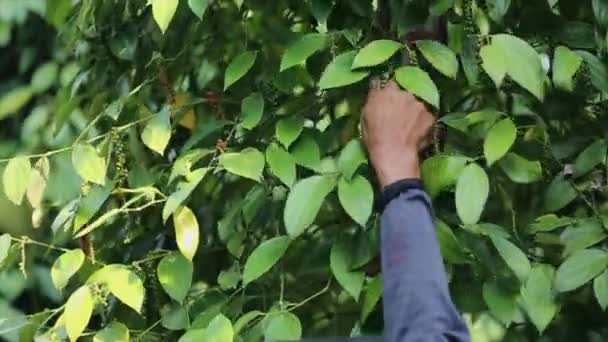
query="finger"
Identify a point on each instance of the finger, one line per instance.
(391, 85)
(374, 83)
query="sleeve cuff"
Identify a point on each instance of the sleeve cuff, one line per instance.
(393, 190)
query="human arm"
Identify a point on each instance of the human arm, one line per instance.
(417, 303)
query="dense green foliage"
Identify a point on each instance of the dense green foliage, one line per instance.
(191, 169)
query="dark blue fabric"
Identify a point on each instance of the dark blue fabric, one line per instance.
(417, 303)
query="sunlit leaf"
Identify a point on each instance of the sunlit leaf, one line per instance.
(175, 275)
(472, 191)
(66, 266)
(339, 74)
(357, 198)
(264, 257)
(16, 178)
(89, 164)
(376, 52)
(419, 83)
(248, 163)
(78, 311)
(186, 231)
(304, 202)
(239, 66)
(163, 11)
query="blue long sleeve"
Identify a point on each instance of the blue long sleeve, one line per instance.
(417, 303)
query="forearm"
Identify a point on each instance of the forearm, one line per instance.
(417, 304)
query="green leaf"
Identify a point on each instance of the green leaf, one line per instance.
(371, 296)
(600, 288)
(304, 202)
(44, 77)
(537, 297)
(579, 268)
(559, 194)
(248, 163)
(113, 332)
(88, 164)
(281, 164)
(199, 7)
(357, 198)
(174, 316)
(451, 249)
(499, 140)
(186, 231)
(306, 153)
(283, 326)
(194, 335)
(182, 165)
(522, 62)
(163, 11)
(376, 52)
(419, 83)
(472, 190)
(565, 65)
(520, 170)
(501, 303)
(494, 63)
(16, 178)
(339, 74)
(245, 319)
(252, 109)
(549, 222)
(78, 311)
(91, 204)
(157, 133)
(592, 156)
(13, 100)
(440, 172)
(264, 257)
(66, 266)
(440, 56)
(289, 129)
(5, 245)
(175, 275)
(126, 286)
(585, 233)
(513, 256)
(351, 157)
(184, 189)
(340, 261)
(597, 70)
(229, 279)
(239, 67)
(219, 330)
(302, 49)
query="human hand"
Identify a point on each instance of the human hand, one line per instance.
(394, 125)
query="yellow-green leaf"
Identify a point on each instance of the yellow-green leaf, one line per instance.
(5, 245)
(175, 275)
(113, 332)
(565, 65)
(288, 129)
(66, 266)
(184, 189)
(281, 164)
(499, 140)
(239, 67)
(440, 56)
(303, 48)
(283, 326)
(472, 190)
(88, 164)
(340, 263)
(44, 77)
(186, 231)
(219, 330)
(579, 268)
(123, 283)
(12, 101)
(304, 202)
(157, 133)
(521, 170)
(513, 256)
(248, 163)
(163, 12)
(351, 157)
(16, 178)
(339, 74)
(78, 310)
(252, 109)
(376, 52)
(419, 83)
(199, 7)
(264, 257)
(357, 198)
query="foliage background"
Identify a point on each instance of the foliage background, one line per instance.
(203, 115)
